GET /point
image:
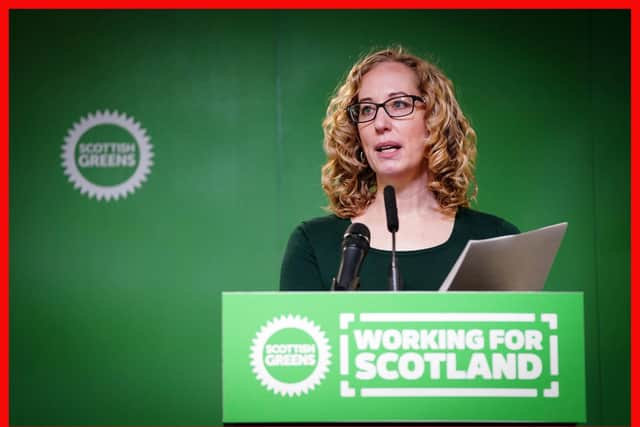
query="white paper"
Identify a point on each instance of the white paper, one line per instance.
(519, 262)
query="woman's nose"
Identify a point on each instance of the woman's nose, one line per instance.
(382, 121)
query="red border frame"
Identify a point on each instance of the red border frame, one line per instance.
(318, 4)
(290, 4)
(635, 413)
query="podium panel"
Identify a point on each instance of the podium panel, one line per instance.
(323, 357)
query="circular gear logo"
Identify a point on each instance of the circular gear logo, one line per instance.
(107, 155)
(290, 355)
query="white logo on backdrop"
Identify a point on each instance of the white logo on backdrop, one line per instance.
(290, 355)
(111, 155)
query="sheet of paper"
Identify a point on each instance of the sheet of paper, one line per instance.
(520, 262)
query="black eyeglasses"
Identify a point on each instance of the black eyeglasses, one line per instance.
(398, 106)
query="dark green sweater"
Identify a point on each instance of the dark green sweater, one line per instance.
(312, 256)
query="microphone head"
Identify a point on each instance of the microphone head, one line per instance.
(357, 234)
(391, 208)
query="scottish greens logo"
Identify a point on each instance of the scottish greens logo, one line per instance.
(290, 355)
(107, 155)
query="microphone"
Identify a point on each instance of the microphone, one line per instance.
(355, 245)
(395, 281)
(391, 208)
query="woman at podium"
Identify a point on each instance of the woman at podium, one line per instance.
(394, 121)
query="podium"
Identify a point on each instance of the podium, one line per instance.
(339, 357)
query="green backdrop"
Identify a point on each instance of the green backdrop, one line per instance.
(115, 305)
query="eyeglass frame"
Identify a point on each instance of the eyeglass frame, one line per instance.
(414, 98)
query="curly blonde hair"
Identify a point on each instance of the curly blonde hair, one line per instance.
(450, 147)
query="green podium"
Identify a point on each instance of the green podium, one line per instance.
(324, 357)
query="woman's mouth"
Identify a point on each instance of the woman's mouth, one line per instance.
(387, 147)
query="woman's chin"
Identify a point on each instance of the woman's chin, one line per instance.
(390, 168)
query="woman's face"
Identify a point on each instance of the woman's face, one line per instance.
(394, 146)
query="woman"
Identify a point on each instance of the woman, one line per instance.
(395, 121)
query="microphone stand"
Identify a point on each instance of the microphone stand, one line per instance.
(391, 209)
(395, 282)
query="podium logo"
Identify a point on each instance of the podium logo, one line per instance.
(107, 155)
(290, 355)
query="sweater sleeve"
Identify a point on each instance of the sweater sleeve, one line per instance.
(300, 270)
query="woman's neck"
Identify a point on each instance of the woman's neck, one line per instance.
(413, 197)
(423, 223)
